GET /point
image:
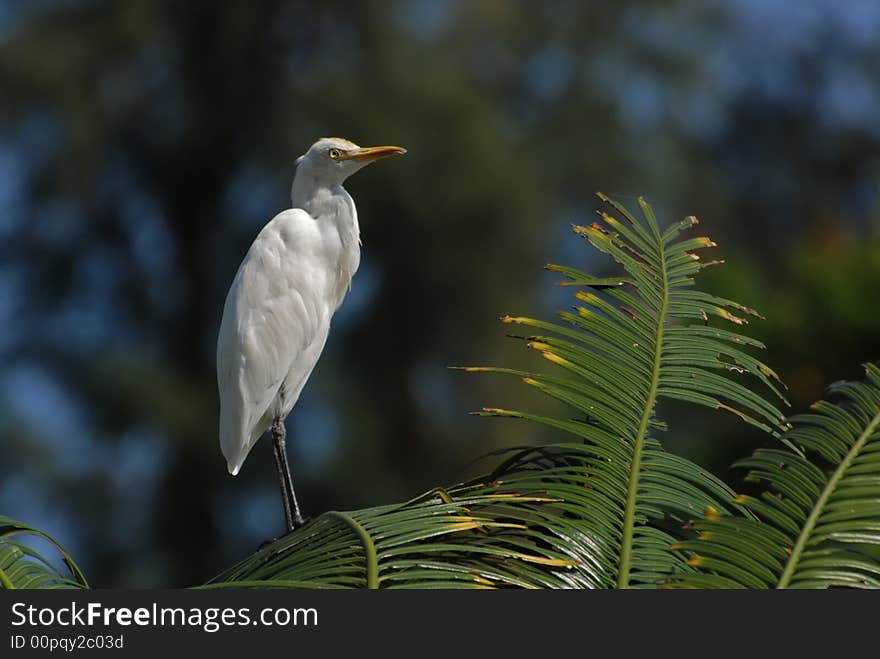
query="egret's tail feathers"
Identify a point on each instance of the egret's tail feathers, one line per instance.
(233, 437)
(238, 434)
(235, 449)
(235, 458)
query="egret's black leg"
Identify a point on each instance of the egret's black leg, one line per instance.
(292, 515)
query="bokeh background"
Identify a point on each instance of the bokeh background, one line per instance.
(144, 143)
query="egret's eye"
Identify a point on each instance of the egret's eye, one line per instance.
(336, 154)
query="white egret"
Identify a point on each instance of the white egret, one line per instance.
(278, 309)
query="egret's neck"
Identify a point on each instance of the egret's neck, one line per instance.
(333, 209)
(313, 195)
(326, 203)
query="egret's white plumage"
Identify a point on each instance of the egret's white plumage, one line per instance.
(278, 310)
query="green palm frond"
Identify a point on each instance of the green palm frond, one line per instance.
(520, 526)
(629, 342)
(600, 511)
(23, 567)
(820, 518)
(469, 537)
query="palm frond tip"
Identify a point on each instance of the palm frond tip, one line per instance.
(628, 342)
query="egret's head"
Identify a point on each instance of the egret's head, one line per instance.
(335, 159)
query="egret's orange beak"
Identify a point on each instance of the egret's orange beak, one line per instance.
(371, 153)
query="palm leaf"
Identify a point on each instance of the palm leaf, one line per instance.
(629, 342)
(599, 511)
(23, 567)
(469, 537)
(519, 526)
(820, 518)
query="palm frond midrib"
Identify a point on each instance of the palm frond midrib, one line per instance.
(623, 575)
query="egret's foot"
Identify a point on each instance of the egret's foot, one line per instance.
(266, 543)
(298, 523)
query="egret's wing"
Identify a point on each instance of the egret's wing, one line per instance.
(271, 317)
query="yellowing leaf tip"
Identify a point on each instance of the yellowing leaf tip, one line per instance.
(733, 410)
(494, 410)
(724, 313)
(556, 359)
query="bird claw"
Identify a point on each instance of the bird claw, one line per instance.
(300, 522)
(266, 543)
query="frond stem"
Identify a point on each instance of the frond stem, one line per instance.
(629, 513)
(372, 566)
